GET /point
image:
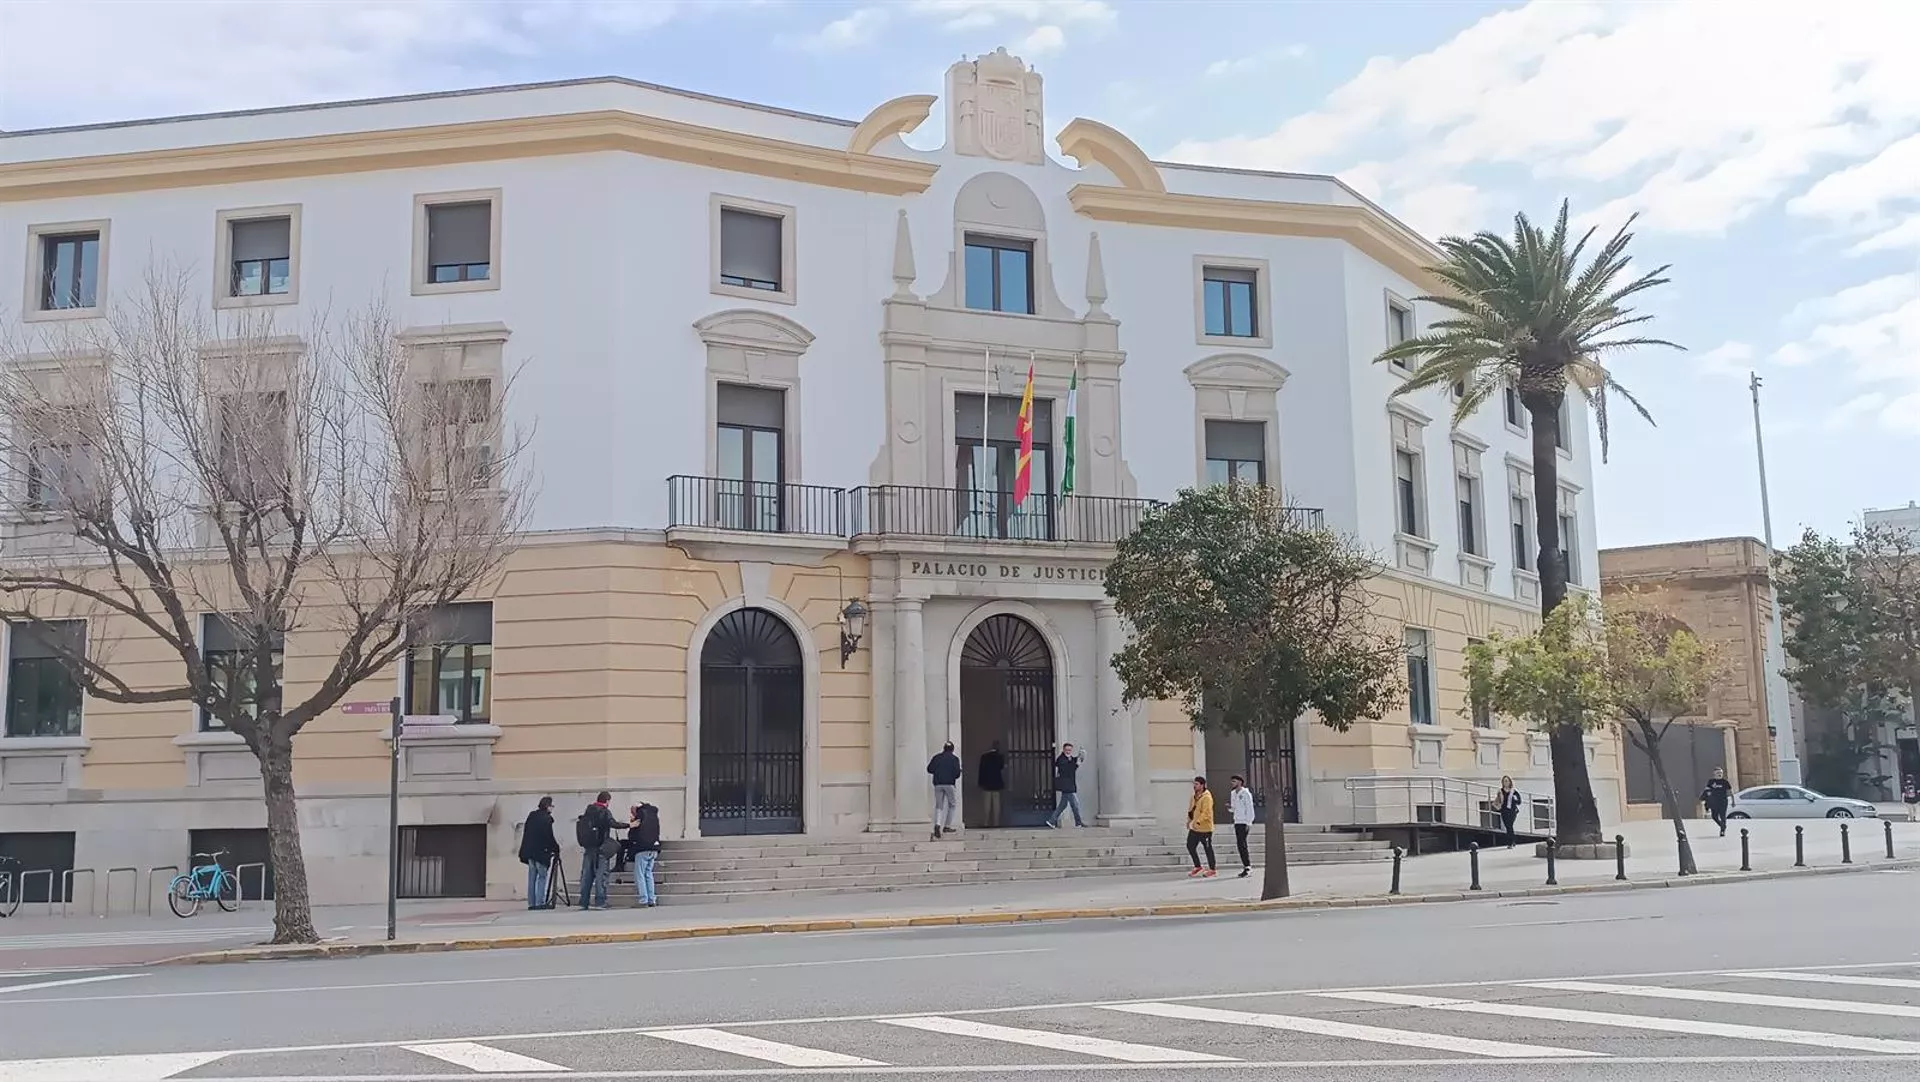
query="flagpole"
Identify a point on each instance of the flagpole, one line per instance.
(986, 416)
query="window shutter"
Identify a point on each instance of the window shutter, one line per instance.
(262, 238)
(751, 407)
(1232, 274)
(1241, 441)
(460, 233)
(38, 641)
(469, 623)
(750, 246)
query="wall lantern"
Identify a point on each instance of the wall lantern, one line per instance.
(853, 625)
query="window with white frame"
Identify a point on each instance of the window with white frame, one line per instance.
(1570, 544)
(1236, 452)
(449, 666)
(1467, 490)
(999, 274)
(751, 250)
(227, 647)
(1419, 648)
(1229, 297)
(1406, 493)
(1399, 327)
(61, 475)
(260, 256)
(1523, 549)
(1482, 711)
(43, 695)
(1563, 437)
(456, 242)
(251, 448)
(68, 276)
(1514, 412)
(461, 417)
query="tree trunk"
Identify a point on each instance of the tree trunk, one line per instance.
(1574, 809)
(292, 907)
(1273, 877)
(1669, 800)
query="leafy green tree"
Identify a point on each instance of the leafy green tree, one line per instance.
(1526, 312)
(1250, 618)
(1657, 672)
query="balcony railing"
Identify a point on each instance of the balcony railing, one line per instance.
(985, 514)
(721, 503)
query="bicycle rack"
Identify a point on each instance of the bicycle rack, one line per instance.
(107, 909)
(26, 877)
(67, 881)
(172, 870)
(240, 884)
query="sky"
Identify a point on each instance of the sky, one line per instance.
(1771, 149)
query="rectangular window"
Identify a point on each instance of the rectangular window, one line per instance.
(60, 477)
(262, 251)
(987, 451)
(444, 861)
(251, 445)
(750, 255)
(999, 274)
(1516, 416)
(1469, 490)
(1570, 547)
(749, 445)
(1419, 675)
(227, 649)
(461, 413)
(450, 663)
(459, 242)
(1406, 491)
(1399, 329)
(1228, 294)
(69, 271)
(43, 698)
(1563, 438)
(1236, 451)
(1482, 713)
(1523, 554)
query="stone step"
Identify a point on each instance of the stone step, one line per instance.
(984, 857)
(715, 889)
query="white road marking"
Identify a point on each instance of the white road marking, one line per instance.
(478, 1057)
(787, 1055)
(134, 938)
(1745, 999)
(4, 989)
(1059, 1042)
(535, 977)
(152, 1068)
(1559, 923)
(1634, 1021)
(1823, 978)
(1327, 1027)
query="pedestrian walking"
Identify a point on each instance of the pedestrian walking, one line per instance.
(992, 780)
(643, 848)
(1508, 805)
(1911, 794)
(1716, 796)
(1066, 786)
(946, 770)
(538, 847)
(594, 831)
(1200, 828)
(1240, 806)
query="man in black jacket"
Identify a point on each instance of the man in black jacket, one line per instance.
(538, 847)
(595, 826)
(1716, 796)
(993, 782)
(1066, 786)
(945, 769)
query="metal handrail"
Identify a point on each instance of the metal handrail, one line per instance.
(240, 885)
(173, 872)
(106, 908)
(774, 507)
(1380, 799)
(68, 881)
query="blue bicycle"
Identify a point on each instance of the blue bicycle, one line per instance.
(205, 881)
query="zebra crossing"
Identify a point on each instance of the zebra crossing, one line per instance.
(1737, 1016)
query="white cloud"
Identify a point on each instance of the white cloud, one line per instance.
(1043, 40)
(853, 29)
(1728, 358)
(1871, 331)
(980, 14)
(1255, 62)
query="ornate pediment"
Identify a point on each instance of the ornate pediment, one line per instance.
(994, 109)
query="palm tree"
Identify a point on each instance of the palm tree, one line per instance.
(1523, 312)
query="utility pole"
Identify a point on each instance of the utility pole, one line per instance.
(1779, 714)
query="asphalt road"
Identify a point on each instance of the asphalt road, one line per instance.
(1801, 979)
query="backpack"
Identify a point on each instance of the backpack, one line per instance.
(584, 830)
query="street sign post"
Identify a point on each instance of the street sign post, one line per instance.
(380, 707)
(393, 817)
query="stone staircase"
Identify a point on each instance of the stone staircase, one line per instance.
(741, 868)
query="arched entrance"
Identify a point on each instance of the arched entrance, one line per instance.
(752, 726)
(1248, 755)
(1006, 695)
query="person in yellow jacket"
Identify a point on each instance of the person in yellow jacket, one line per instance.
(1200, 828)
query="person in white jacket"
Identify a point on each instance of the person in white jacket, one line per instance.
(1240, 806)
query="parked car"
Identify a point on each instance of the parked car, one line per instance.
(1796, 802)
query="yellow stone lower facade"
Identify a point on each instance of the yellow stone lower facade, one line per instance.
(597, 682)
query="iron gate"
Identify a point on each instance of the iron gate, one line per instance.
(752, 737)
(1006, 694)
(1265, 766)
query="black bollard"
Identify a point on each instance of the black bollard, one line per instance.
(1846, 846)
(1620, 857)
(1473, 861)
(1553, 880)
(1746, 865)
(1888, 823)
(1395, 889)
(1680, 846)
(1799, 847)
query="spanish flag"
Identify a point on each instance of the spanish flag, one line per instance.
(1023, 466)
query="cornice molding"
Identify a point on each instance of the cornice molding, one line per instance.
(446, 144)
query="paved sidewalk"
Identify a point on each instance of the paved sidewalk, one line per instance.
(55, 943)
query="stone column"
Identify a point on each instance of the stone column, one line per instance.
(911, 797)
(1119, 803)
(880, 813)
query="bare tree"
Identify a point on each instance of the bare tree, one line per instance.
(169, 462)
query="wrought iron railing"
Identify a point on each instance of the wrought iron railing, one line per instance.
(721, 503)
(1383, 799)
(986, 514)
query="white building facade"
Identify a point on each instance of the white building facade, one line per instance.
(771, 362)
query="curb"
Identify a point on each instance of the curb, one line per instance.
(1022, 916)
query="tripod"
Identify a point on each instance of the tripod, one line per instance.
(557, 895)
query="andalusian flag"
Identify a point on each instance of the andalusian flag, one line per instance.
(1073, 397)
(1023, 466)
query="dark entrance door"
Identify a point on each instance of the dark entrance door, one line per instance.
(1248, 755)
(1006, 694)
(752, 732)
